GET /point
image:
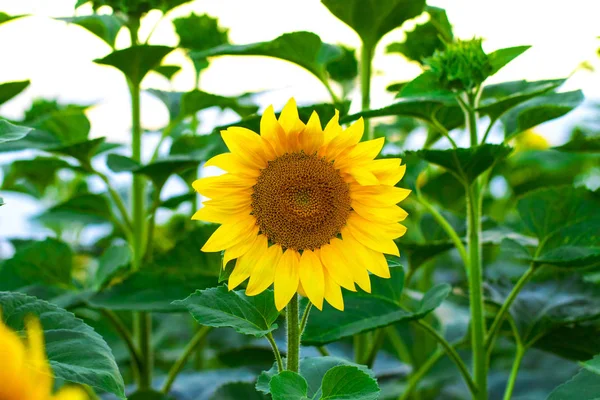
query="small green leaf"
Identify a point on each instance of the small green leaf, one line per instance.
(196, 100)
(168, 71)
(288, 385)
(69, 124)
(149, 395)
(135, 62)
(33, 176)
(173, 202)
(538, 110)
(348, 382)
(367, 311)
(8, 90)
(82, 151)
(10, 132)
(116, 257)
(85, 209)
(218, 307)
(200, 32)
(302, 48)
(2, 201)
(345, 68)
(119, 163)
(428, 87)
(466, 163)
(67, 339)
(501, 57)
(104, 26)
(4, 17)
(238, 391)
(158, 171)
(426, 38)
(582, 142)
(372, 19)
(198, 147)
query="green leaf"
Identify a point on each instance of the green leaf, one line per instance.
(104, 26)
(82, 151)
(302, 48)
(10, 132)
(172, 276)
(200, 32)
(48, 262)
(69, 125)
(4, 17)
(582, 142)
(67, 338)
(32, 139)
(345, 68)
(173, 202)
(426, 38)
(198, 147)
(348, 382)
(158, 171)
(466, 163)
(364, 312)
(538, 110)
(428, 87)
(168, 71)
(85, 209)
(566, 222)
(237, 391)
(149, 395)
(135, 62)
(119, 163)
(196, 100)
(8, 90)
(313, 369)
(33, 176)
(372, 19)
(499, 98)
(116, 257)
(218, 307)
(2, 201)
(584, 386)
(288, 385)
(501, 57)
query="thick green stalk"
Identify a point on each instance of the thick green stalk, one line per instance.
(180, 363)
(475, 273)
(366, 63)
(293, 335)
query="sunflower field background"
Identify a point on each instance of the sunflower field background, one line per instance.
(444, 244)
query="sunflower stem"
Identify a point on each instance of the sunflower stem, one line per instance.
(293, 335)
(366, 63)
(305, 318)
(475, 273)
(276, 352)
(514, 372)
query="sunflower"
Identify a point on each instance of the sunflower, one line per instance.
(25, 373)
(306, 209)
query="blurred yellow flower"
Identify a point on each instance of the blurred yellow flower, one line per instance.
(306, 209)
(530, 140)
(25, 373)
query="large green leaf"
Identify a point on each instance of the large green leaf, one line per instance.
(76, 353)
(367, 311)
(288, 385)
(69, 125)
(135, 62)
(8, 90)
(47, 262)
(10, 132)
(219, 307)
(197, 100)
(543, 307)
(372, 19)
(348, 382)
(86, 209)
(538, 110)
(302, 48)
(426, 38)
(501, 57)
(582, 141)
(82, 151)
(237, 391)
(104, 26)
(33, 176)
(466, 163)
(171, 276)
(584, 386)
(566, 222)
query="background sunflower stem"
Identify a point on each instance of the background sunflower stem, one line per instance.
(474, 270)
(293, 335)
(305, 317)
(377, 344)
(276, 351)
(181, 361)
(514, 372)
(125, 334)
(366, 62)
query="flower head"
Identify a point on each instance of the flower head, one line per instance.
(306, 209)
(25, 372)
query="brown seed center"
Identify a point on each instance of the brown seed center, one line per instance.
(300, 201)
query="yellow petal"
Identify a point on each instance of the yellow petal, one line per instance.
(378, 196)
(361, 153)
(311, 277)
(349, 137)
(371, 241)
(333, 128)
(220, 216)
(289, 118)
(380, 214)
(37, 361)
(231, 163)
(248, 146)
(388, 171)
(241, 248)
(353, 265)
(223, 185)
(334, 262)
(71, 393)
(383, 230)
(332, 291)
(311, 138)
(286, 278)
(272, 132)
(12, 356)
(228, 235)
(372, 260)
(362, 176)
(263, 274)
(245, 264)
(233, 200)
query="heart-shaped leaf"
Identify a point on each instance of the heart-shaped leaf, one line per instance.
(218, 307)
(67, 338)
(135, 62)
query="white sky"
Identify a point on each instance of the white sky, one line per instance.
(57, 58)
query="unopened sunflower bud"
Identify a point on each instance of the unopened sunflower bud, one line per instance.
(461, 66)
